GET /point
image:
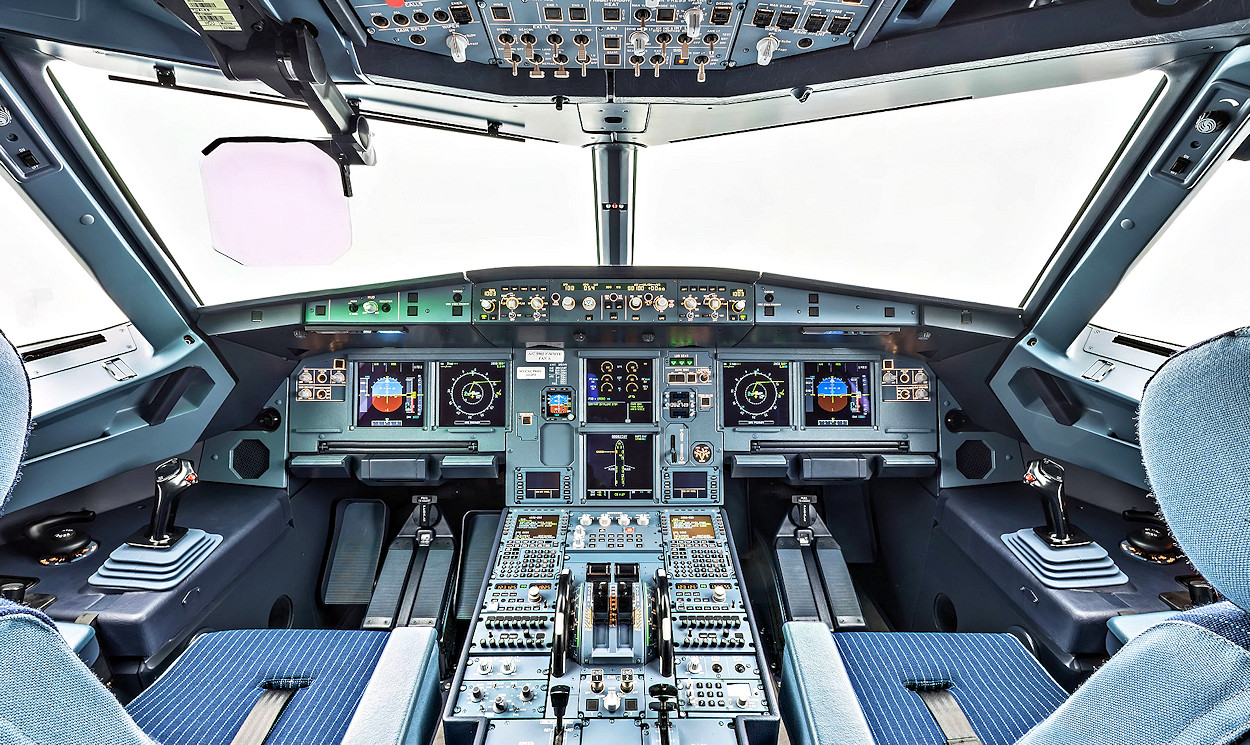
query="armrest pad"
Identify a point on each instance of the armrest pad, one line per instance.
(817, 700)
(1125, 628)
(401, 703)
(81, 638)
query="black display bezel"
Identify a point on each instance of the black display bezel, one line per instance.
(869, 375)
(732, 415)
(447, 411)
(623, 494)
(416, 421)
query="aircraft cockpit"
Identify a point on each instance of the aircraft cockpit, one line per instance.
(623, 372)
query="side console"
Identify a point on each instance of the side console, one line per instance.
(613, 627)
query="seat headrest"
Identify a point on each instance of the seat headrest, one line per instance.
(1194, 428)
(14, 417)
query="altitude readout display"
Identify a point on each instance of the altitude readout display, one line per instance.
(390, 394)
(692, 528)
(756, 394)
(618, 391)
(837, 394)
(472, 394)
(620, 466)
(536, 527)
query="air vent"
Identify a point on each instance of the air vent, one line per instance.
(52, 350)
(1144, 346)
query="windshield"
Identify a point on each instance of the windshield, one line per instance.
(912, 200)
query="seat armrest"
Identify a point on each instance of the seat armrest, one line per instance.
(818, 701)
(402, 702)
(1123, 629)
(82, 639)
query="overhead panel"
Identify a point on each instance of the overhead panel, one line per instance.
(565, 38)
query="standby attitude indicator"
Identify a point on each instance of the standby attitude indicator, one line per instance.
(390, 394)
(472, 394)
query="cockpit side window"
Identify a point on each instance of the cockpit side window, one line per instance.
(45, 291)
(1189, 285)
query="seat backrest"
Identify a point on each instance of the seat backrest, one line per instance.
(1186, 680)
(14, 417)
(47, 695)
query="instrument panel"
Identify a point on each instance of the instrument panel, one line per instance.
(606, 426)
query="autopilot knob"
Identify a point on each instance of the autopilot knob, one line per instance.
(459, 46)
(690, 302)
(537, 302)
(635, 302)
(738, 306)
(660, 304)
(511, 303)
(488, 305)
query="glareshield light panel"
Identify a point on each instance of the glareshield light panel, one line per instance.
(45, 293)
(965, 199)
(1190, 284)
(438, 202)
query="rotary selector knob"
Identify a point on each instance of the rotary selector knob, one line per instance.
(459, 46)
(527, 692)
(714, 303)
(484, 667)
(694, 666)
(585, 519)
(623, 520)
(488, 305)
(588, 303)
(738, 306)
(661, 304)
(605, 520)
(690, 303)
(501, 703)
(568, 303)
(612, 701)
(511, 303)
(535, 595)
(477, 693)
(370, 306)
(635, 302)
(304, 394)
(579, 531)
(764, 50)
(338, 377)
(743, 702)
(537, 303)
(644, 520)
(718, 594)
(508, 667)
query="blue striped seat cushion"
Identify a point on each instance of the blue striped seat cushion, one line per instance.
(998, 684)
(205, 696)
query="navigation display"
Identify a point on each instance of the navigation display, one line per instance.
(472, 394)
(620, 466)
(536, 527)
(692, 528)
(837, 394)
(618, 391)
(756, 394)
(390, 394)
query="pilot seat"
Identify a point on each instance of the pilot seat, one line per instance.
(1183, 680)
(243, 687)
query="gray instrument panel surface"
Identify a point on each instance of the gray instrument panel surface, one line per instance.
(556, 450)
